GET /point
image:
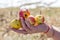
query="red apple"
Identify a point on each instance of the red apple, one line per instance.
(31, 19)
(24, 13)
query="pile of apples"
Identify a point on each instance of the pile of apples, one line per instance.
(25, 14)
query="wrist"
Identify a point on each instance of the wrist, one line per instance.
(47, 30)
(50, 32)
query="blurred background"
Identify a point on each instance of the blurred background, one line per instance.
(9, 10)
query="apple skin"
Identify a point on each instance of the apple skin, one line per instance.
(39, 19)
(24, 13)
(16, 24)
(31, 19)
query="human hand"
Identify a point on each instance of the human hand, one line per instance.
(30, 29)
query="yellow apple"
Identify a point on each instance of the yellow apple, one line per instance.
(39, 19)
(16, 24)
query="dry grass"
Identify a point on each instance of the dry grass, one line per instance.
(52, 16)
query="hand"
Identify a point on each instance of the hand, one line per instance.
(30, 29)
(33, 29)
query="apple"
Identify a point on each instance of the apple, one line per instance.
(24, 13)
(16, 24)
(31, 19)
(39, 19)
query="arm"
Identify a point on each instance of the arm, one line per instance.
(29, 29)
(54, 33)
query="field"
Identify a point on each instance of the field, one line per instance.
(52, 17)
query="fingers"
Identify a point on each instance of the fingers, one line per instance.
(29, 25)
(24, 25)
(19, 31)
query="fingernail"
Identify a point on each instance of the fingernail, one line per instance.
(20, 17)
(25, 18)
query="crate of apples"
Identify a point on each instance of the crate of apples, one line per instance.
(25, 14)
